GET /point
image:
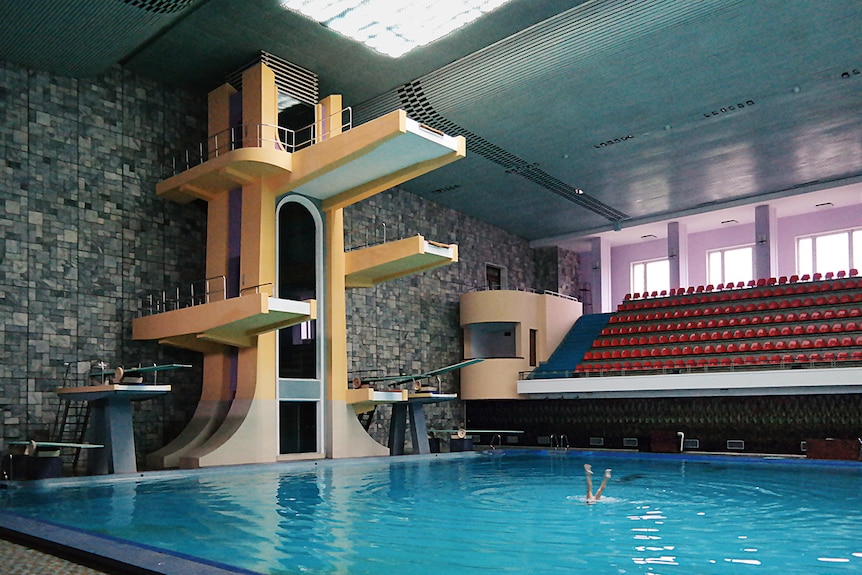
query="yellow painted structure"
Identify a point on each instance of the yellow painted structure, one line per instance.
(516, 313)
(238, 423)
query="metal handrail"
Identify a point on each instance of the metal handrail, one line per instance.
(256, 288)
(259, 136)
(380, 229)
(172, 298)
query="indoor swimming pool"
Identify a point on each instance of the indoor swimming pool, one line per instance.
(494, 512)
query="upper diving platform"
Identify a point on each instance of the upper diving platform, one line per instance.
(340, 170)
(235, 321)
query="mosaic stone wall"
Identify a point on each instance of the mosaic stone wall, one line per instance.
(768, 424)
(83, 236)
(412, 324)
(557, 270)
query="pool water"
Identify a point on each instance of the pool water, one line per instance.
(500, 512)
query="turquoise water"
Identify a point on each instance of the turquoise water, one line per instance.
(507, 512)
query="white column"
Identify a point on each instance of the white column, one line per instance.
(600, 274)
(677, 254)
(765, 241)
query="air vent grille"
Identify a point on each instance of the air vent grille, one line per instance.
(160, 6)
(291, 79)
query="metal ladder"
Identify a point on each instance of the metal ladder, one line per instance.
(70, 424)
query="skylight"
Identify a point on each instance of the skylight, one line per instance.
(393, 28)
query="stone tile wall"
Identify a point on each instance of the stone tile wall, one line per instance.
(412, 324)
(83, 235)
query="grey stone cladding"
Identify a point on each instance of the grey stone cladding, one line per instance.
(411, 325)
(83, 235)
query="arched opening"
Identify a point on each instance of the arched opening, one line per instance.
(300, 388)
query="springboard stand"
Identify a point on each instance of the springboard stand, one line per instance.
(415, 406)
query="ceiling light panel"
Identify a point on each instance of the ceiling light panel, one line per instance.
(391, 28)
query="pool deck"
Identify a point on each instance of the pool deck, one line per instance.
(22, 560)
(104, 552)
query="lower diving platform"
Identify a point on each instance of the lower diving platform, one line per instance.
(235, 321)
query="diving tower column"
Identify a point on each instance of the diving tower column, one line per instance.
(345, 436)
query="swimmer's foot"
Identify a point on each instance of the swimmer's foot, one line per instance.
(607, 473)
(588, 468)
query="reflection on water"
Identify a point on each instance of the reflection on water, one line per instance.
(511, 513)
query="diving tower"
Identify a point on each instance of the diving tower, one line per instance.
(274, 339)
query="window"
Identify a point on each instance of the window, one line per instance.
(830, 252)
(651, 276)
(731, 265)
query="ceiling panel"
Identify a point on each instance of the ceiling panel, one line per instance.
(653, 109)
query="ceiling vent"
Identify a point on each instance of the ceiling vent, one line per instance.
(160, 6)
(730, 108)
(609, 143)
(445, 189)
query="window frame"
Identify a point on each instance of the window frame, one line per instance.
(851, 255)
(722, 251)
(645, 264)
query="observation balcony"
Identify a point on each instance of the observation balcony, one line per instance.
(340, 167)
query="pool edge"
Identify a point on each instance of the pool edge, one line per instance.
(102, 552)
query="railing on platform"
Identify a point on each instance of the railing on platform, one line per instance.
(188, 295)
(259, 136)
(789, 364)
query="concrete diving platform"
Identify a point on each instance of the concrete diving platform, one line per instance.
(235, 322)
(340, 170)
(367, 398)
(367, 267)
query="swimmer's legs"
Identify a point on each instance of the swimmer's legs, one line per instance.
(604, 483)
(588, 472)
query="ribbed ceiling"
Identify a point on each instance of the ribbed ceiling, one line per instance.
(81, 38)
(634, 102)
(589, 31)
